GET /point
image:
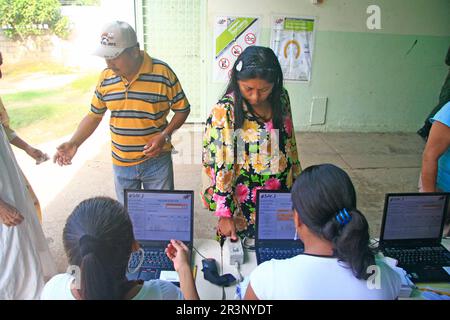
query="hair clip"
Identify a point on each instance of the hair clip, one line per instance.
(239, 66)
(343, 217)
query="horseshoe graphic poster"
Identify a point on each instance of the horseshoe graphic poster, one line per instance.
(292, 41)
(231, 36)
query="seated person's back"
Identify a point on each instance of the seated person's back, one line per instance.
(317, 277)
(337, 262)
(98, 240)
(60, 288)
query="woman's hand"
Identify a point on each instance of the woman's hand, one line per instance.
(9, 215)
(178, 253)
(226, 227)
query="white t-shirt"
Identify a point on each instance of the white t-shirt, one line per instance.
(309, 277)
(58, 288)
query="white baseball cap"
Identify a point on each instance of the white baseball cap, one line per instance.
(115, 37)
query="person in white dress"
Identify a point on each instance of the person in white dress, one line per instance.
(17, 141)
(25, 259)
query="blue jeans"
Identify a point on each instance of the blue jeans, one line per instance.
(152, 174)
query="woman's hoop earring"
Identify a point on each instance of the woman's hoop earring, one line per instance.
(141, 261)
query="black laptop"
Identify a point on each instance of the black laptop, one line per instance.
(158, 216)
(411, 232)
(275, 230)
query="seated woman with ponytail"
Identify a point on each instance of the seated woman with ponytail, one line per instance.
(337, 262)
(98, 240)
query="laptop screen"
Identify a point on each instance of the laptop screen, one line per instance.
(274, 218)
(160, 215)
(413, 216)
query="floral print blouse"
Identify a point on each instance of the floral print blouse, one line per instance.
(240, 162)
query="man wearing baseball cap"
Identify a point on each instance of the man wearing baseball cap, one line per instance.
(139, 91)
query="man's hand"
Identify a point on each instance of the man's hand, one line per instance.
(154, 146)
(64, 154)
(227, 228)
(9, 215)
(178, 252)
(37, 155)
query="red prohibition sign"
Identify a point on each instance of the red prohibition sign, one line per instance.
(250, 38)
(236, 50)
(224, 63)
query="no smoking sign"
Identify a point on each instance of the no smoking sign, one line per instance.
(250, 38)
(224, 63)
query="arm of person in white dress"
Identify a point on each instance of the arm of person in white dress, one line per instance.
(178, 252)
(36, 154)
(14, 139)
(438, 143)
(9, 215)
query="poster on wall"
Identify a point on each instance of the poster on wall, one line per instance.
(292, 40)
(231, 36)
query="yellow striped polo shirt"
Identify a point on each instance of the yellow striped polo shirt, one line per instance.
(138, 110)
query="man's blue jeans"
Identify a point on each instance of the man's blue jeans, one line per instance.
(152, 174)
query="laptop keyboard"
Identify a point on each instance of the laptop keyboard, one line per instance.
(422, 255)
(152, 259)
(266, 254)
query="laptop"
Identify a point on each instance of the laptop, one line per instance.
(411, 233)
(157, 217)
(274, 224)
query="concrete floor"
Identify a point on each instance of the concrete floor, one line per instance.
(377, 164)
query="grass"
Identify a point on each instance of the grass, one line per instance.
(40, 116)
(26, 96)
(23, 117)
(86, 82)
(18, 70)
(52, 123)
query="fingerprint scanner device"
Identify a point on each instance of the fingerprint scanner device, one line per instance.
(235, 251)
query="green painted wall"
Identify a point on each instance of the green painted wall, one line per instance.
(373, 80)
(372, 84)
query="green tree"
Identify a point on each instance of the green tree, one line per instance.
(24, 18)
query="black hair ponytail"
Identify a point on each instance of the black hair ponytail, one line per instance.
(320, 194)
(350, 242)
(97, 237)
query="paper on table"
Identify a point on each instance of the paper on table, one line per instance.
(169, 276)
(447, 269)
(406, 284)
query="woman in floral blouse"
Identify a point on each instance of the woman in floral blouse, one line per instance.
(249, 142)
